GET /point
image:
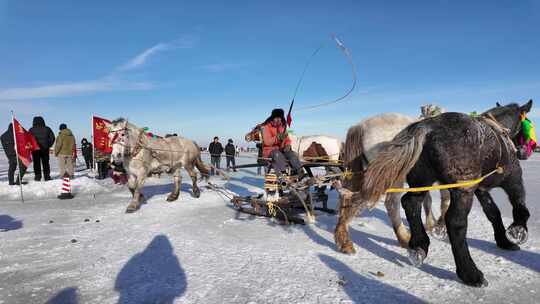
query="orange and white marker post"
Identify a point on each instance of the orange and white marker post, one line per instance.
(66, 188)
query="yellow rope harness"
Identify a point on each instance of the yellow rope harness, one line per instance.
(463, 184)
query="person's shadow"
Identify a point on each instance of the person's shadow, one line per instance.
(9, 223)
(152, 276)
(361, 289)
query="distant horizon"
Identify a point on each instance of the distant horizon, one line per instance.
(217, 69)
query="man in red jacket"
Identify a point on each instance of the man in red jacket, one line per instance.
(277, 144)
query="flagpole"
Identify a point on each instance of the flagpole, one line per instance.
(93, 146)
(17, 154)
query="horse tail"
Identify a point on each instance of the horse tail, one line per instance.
(202, 167)
(353, 156)
(394, 161)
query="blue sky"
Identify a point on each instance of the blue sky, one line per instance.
(205, 68)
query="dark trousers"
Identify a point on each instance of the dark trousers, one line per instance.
(215, 160)
(89, 162)
(41, 161)
(13, 167)
(103, 169)
(280, 158)
(230, 160)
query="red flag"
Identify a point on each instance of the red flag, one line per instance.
(26, 143)
(289, 115)
(101, 134)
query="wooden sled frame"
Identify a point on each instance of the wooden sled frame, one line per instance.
(287, 198)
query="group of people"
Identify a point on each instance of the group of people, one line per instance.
(63, 146)
(216, 149)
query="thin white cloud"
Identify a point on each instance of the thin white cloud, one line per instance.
(112, 82)
(71, 89)
(142, 57)
(220, 67)
(139, 60)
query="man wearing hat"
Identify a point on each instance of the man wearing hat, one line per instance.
(63, 149)
(277, 144)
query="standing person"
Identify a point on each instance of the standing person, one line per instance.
(8, 144)
(215, 148)
(63, 149)
(103, 164)
(230, 151)
(45, 139)
(87, 152)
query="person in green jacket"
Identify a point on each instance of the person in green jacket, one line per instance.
(63, 149)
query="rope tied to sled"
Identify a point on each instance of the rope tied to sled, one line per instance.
(463, 184)
(273, 209)
(348, 174)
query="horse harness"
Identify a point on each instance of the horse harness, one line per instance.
(500, 132)
(139, 146)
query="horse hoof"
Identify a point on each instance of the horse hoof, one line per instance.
(517, 234)
(439, 233)
(481, 282)
(171, 198)
(508, 245)
(417, 257)
(347, 248)
(130, 209)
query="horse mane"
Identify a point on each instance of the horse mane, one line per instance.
(118, 120)
(496, 111)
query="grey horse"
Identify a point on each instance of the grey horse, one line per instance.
(143, 155)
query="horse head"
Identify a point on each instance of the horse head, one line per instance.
(254, 134)
(509, 116)
(121, 137)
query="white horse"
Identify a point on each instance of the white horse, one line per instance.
(142, 155)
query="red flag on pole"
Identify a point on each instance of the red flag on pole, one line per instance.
(101, 134)
(289, 115)
(26, 143)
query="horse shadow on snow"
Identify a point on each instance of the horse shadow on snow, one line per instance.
(365, 241)
(361, 289)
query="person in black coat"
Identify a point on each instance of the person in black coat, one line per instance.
(230, 152)
(215, 148)
(8, 144)
(87, 152)
(45, 139)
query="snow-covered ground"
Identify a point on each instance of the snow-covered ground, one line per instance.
(87, 250)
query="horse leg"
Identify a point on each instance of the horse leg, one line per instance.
(430, 219)
(347, 210)
(193, 175)
(439, 230)
(177, 184)
(419, 242)
(494, 216)
(393, 209)
(135, 184)
(517, 232)
(456, 222)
